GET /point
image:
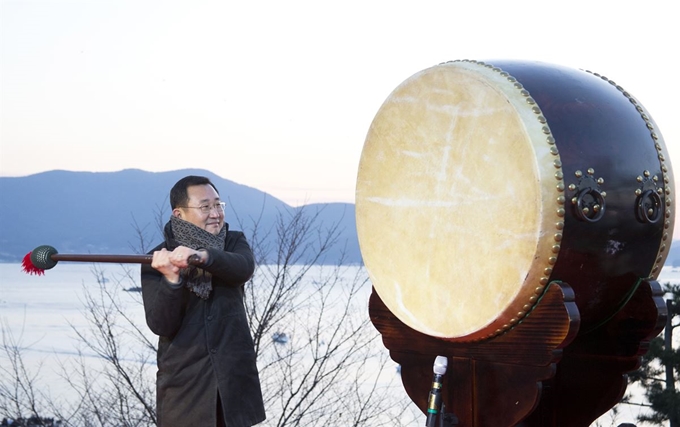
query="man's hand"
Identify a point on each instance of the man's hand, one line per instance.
(170, 263)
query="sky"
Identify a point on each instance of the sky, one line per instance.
(279, 95)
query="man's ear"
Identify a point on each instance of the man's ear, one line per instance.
(177, 213)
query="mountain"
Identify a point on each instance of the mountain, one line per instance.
(674, 254)
(103, 212)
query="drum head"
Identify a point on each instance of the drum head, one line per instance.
(458, 203)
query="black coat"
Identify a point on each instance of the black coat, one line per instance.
(205, 346)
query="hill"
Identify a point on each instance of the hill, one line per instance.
(101, 212)
(674, 254)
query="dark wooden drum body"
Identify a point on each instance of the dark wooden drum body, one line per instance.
(479, 184)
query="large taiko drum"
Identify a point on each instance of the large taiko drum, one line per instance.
(480, 184)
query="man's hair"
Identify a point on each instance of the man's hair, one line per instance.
(178, 193)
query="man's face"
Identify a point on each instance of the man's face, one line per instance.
(202, 196)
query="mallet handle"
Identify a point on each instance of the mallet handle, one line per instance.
(119, 259)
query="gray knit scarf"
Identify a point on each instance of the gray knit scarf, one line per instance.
(183, 233)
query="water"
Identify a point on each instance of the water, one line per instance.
(44, 314)
(43, 311)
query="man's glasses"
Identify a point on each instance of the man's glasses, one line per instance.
(219, 207)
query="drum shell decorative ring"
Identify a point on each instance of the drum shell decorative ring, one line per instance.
(482, 182)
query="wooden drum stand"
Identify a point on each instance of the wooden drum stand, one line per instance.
(541, 373)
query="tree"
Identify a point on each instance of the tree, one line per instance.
(20, 396)
(659, 373)
(320, 359)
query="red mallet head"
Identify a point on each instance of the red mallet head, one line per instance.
(39, 260)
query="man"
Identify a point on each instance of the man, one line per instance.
(193, 299)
